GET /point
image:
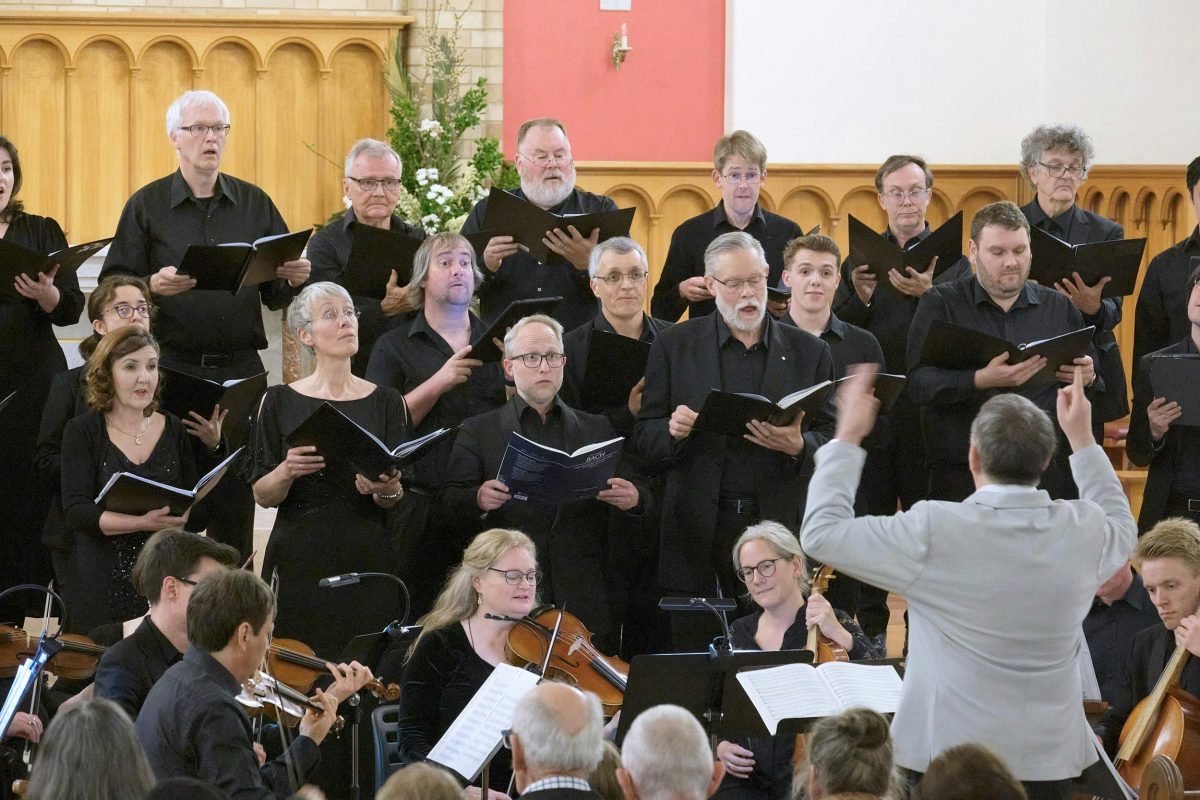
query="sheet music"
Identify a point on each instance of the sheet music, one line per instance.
(474, 737)
(1087, 672)
(791, 691)
(871, 686)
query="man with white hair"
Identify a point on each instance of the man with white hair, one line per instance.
(666, 756)
(547, 171)
(210, 334)
(717, 485)
(557, 739)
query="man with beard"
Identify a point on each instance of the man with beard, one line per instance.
(717, 485)
(547, 171)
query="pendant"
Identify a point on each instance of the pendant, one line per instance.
(137, 440)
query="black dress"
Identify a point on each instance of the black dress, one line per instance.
(325, 527)
(29, 358)
(772, 775)
(440, 679)
(102, 564)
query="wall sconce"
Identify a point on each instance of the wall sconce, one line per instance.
(620, 46)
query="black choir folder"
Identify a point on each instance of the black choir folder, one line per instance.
(340, 439)
(802, 691)
(883, 255)
(184, 393)
(951, 346)
(15, 260)
(509, 215)
(1176, 377)
(615, 364)
(232, 266)
(485, 349)
(126, 493)
(374, 253)
(551, 477)
(1120, 259)
(727, 413)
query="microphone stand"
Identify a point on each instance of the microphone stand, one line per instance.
(720, 652)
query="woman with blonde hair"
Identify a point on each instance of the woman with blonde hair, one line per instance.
(462, 640)
(420, 782)
(849, 756)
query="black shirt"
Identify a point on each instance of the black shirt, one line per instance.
(1110, 630)
(407, 356)
(159, 222)
(191, 726)
(329, 251)
(1161, 316)
(129, 669)
(741, 372)
(521, 276)
(685, 258)
(548, 432)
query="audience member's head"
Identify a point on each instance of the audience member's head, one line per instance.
(185, 789)
(1012, 441)
(968, 772)
(666, 756)
(90, 752)
(420, 782)
(603, 779)
(557, 730)
(847, 754)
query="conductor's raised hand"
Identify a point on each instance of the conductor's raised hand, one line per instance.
(999, 374)
(491, 495)
(301, 461)
(1075, 414)
(168, 281)
(857, 406)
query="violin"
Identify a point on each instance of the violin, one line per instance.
(293, 663)
(821, 646)
(76, 661)
(263, 695)
(573, 657)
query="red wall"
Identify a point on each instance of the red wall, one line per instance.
(665, 103)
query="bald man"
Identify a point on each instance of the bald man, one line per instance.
(557, 740)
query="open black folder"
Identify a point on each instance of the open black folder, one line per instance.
(374, 253)
(484, 349)
(340, 439)
(888, 387)
(615, 364)
(184, 393)
(509, 215)
(126, 493)
(16, 260)
(1054, 259)
(1177, 378)
(232, 266)
(951, 346)
(883, 255)
(727, 413)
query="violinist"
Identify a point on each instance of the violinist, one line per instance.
(191, 725)
(1168, 558)
(768, 559)
(165, 573)
(461, 642)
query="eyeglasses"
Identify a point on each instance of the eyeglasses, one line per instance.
(202, 130)
(368, 185)
(126, 311)
(764, 568)
(735, 285)
(534, 360)
(504, 738)
(615, 278)
(188, 581)
(546, 159)
(1058, 170)
(513, 576)
(914, 195)
(333, 314)
(750, 178)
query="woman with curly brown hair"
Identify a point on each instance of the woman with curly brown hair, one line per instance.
(124, 432)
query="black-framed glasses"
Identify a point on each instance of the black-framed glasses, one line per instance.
(765, 568)
(614, 278)
(188, 581)
(897, 196)
(220, 131)
(126, 311)
(735, 285)
(513, 577)
(1058, 170)
(505, 738)
(534, 360)
(368, 185)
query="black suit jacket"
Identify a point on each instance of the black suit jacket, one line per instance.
(684, 366)
(129, 669)
(1163, 458)
(571, 540)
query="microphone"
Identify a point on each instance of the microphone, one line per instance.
(697, 603)
(339, 580)
(334, 581)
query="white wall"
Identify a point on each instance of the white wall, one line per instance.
(962, 82)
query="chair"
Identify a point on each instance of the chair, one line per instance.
(387, 745)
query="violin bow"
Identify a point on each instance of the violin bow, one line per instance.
(553, 638)
(293, 769)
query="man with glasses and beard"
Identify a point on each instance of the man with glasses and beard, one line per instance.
(547, 172)
(717, 485)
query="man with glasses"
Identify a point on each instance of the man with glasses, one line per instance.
(717, 485)
(740, 170)
(372, 185)
(1055, 159)
(572, 537)
(211, 334)
(547, 171)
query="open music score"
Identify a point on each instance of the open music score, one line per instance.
(801, 691)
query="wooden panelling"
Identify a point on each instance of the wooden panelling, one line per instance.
(1148, 201)
(84, 98)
